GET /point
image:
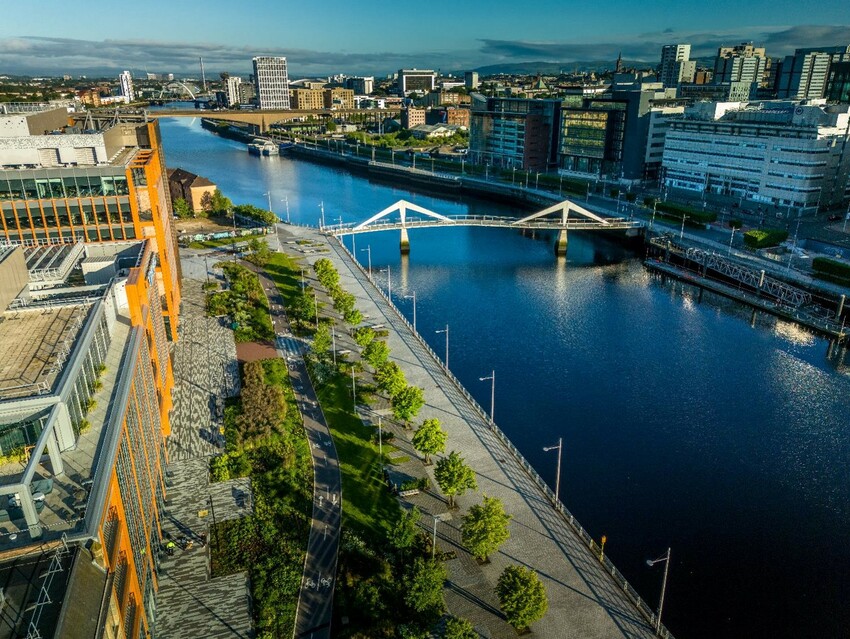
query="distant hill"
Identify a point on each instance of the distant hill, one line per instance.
(554, 68)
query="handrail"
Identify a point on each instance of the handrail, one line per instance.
(619, 579)
(613, 223)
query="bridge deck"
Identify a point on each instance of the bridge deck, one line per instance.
(492, 221)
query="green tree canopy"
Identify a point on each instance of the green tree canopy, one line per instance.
(423, 586)
(260, 253)
(217, 203)
(407, 402)
(403, 532)
(454, 476)
(376, 353)
(429, 439)
(181, 209)
(322, 342)
(485, 527)
(263, 405)
(303, 307)
(363, 336)
(326, 273)
(522, 596)
(459, 629)
(390, 379)
(255, 213)
(352, 316)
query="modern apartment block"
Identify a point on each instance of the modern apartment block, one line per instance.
(231, 89)
(360, 86)
(338, 98)
(676, 65)
(470, 80)
(272, 81)
(411, 117)
(514, 132)
(84, 402)
(804, 75)
(416, 80)
(308, 99)
(789, 154)
(126, 82)
(838, 83)
(59, 185)
(741, 63)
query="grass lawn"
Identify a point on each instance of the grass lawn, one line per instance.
(368, 507)
(224, 241)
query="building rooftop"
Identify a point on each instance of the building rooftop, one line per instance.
(34, 345)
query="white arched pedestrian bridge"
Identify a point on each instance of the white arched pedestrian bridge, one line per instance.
(563, 217)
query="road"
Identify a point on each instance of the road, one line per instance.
(315, 601)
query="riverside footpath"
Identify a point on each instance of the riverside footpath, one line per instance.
(588, 597)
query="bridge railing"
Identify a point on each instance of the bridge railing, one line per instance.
(613, 223)
(631, 594)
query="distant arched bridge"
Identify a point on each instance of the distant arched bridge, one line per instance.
(554, 218)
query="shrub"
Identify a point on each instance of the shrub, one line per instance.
(677, 211)
(762, 238)
(735, 223)
(833, 268)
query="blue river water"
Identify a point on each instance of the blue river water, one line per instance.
(688, 421)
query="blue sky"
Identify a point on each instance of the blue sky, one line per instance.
(366, 36)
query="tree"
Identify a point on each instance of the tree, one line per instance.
(407, 402)
(322, 342)
(429, 439)
(303, 308)
(459, 629)
(485, 527)
(352, 317)
(182, 210)
(263, 405)
(217, 203)
(454, 476)
(363, 336)
(390, 379)
(376, 353)
(260, 252)
(330, 126)
(423, 586)
(522, 596)
(403, 533)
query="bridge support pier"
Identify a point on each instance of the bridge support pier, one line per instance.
(561, 243)
(404, 244)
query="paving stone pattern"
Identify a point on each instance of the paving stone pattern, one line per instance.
(189, 602)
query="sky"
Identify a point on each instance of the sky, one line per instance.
(376, 38)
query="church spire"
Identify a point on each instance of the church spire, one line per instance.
(619, 67)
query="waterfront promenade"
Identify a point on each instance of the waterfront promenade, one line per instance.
(584, 599)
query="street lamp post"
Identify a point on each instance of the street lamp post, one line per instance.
(652, 221)
(333, 342)
(434, 541)
(302, 280)
(446, 331)
(492, 378)
(368, 250)
(413, 297)
(558, 471)
(286, 200)
(389, 282)
(732, 239)
(316, 303)
(651, 562)
(682, 231)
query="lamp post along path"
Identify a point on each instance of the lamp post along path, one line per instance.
(558, 471)
(651, 562)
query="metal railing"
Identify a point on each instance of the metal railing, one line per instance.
(631, 594)
(43, 600)
(613, 223)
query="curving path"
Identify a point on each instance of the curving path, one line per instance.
(315, 600)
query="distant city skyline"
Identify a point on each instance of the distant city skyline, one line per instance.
(372, 38)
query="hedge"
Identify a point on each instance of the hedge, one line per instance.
(677, 211)
(831, 267)
(762, 238)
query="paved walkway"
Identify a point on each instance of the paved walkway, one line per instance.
(584, 601)
(315, 599)
(189, 603)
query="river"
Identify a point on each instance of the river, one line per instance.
(688, 421)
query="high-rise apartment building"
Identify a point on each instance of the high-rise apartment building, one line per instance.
(126, 81)
(308, 99)
(416, 80)
(788, 154)
(231, 89)
(838, 83)
(741, 63)
(67, 186)
(803, 76)
(361, 86)
(272, 81)
(470, 80)
(676, 65)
